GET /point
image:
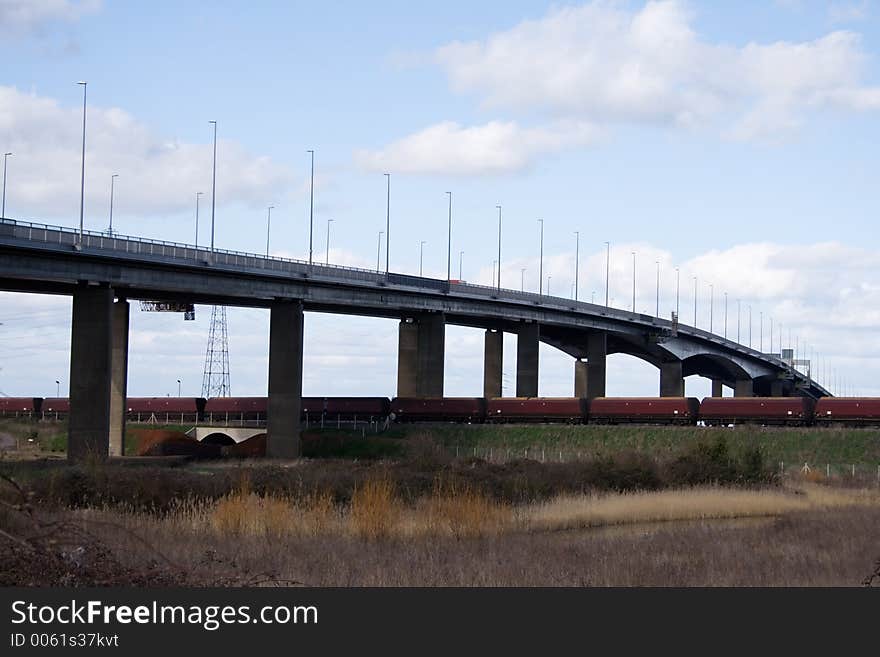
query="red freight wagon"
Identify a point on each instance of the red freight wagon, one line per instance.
(854, 411)
(55, 407)
(346, 407)
(443, 409)
(164, 409)
(536, 409)
(665, 410)
(239, 409)
(757, 410)
(20, 406)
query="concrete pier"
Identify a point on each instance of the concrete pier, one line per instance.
(671, 380)
(88, 429)
(581, 375)
(421, 355)
(285, 380)
(493, 356)
(717, 388)
(119, 377)
(527, 360)
(743, 388)
(597, 353)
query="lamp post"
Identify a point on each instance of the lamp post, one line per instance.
(548, 285)
(771, 334)
(112, 185)
(522, 279)
(5, 159)
(494, 265)
(541, 260)
(695, 302)
(677, 292)
(178, 387)
(388, 222)
(499, 246)
(213, 185)
(421, 254)
(82, 182)
(711, 306)
(607, 269)
(327, 257)
(57, 388)
(577, 257)
(657, 311)
(379, 250)
(750, 326)
(634, 281)
(725, 315)
(268, 225)
(761, 331)
(197, 216)
(311, 202)
(460, 258)
(738, 340)
(449, 243)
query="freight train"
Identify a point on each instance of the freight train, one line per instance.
(712, 411)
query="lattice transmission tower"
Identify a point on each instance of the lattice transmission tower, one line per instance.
(215, 380)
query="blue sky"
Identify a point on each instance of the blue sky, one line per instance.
(732, 140)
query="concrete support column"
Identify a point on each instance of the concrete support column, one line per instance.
(527, 360)
(597, 352)
(743, 388)
(777, 389)
(285, 379)
(421, 355)
(671, 380)
(88, 428)
(492, 363)
(717, 388)
(118, 377)
(431, 354)
(581, 370)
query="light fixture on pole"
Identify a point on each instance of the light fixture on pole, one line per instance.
(449, 242)
(494, 265)
(388, 222)
(327, 258)
(197, 216)
(268, 226)
(607, 269)
(112, 185)
(541, 260)
(178, 387)
(57, 388)
(499, 246)
(3, 210)
(577, 257)
(82, 182)
(421, 254)
(213, 185)
(379, 250)
(522, 279)
(311, 202)
(548, 285)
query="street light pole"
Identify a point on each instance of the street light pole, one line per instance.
(112, 181)
(421, 254)
(460, 258)
(379, 250)
(725, 315)
(5, 158)
(695, 302)
(634, 281)
(268, 225)
(197, 216)
(494, 265)
(388, 223)
(178, 387)
(607, 269)
(548, 285)
(577, 257)
(541, 261)
(213, 185)
(449, 243)
(711, 306)
(657, 311)
(761, 331)
(677, 293)
(522, 279)
(499, 246)
(311, 203)
(57, 388)
(327, 258)
(750, 326)
(82, 182)
(738, 341)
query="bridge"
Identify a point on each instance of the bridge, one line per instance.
(103, 272)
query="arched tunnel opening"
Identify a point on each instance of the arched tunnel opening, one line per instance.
(218, 438)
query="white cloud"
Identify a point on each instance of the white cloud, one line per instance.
(848, 12)
(495, 147)
(157, 174)
(27, 15)
(601, 62)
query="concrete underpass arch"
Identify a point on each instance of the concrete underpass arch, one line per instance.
(714, 366)
(218, 438)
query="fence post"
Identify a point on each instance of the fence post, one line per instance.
(828, 471)
(782, 467)
(853, 470)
